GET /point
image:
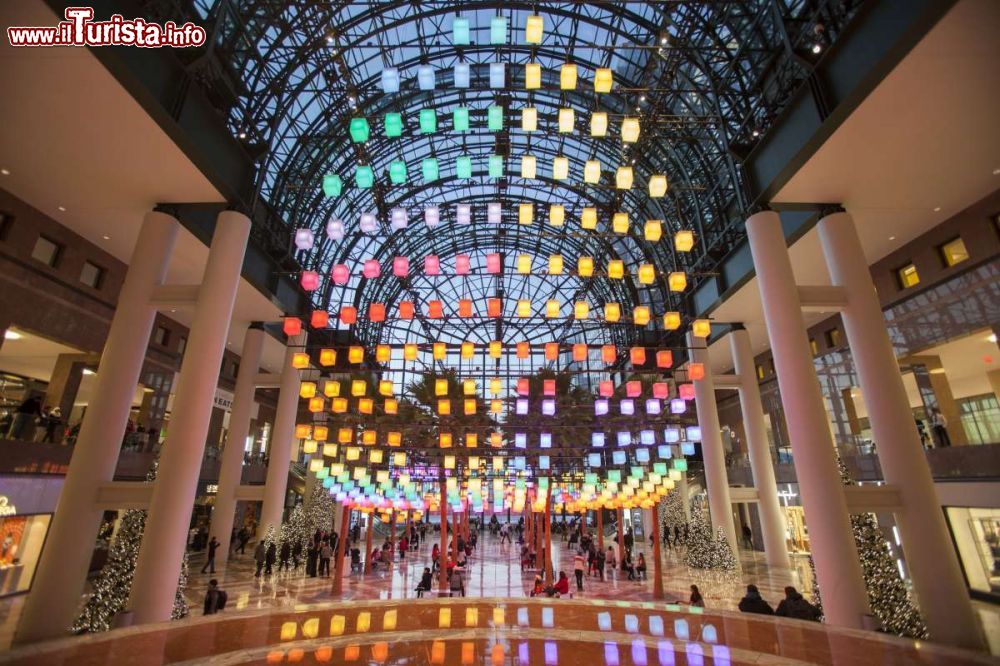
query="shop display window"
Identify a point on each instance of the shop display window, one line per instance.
(21, 540)
(976, 532)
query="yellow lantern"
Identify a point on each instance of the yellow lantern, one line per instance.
(496, 349)
(528, 170)
(470, 407)
(566, 120)
(677, 281)
(353, 453)
(623, 178)
(529, 119)
(585, 266)
(385, 387)
(469, 386)
(619, 223)
(330, 450)
(552, 308)
(640, 315)
(445, 440)
(356, 354)
(383, 353)
(496, 406)
(567, 77)
(300, 361)
(581, 310)
(390, 406)
(524, 308)
(555, 264)
(439, 351)
(345, 435)
(307, 389)
(366, 405)
(684, 240)
(524, 264)
(320, 433)
(449, 463)
(526, 211)
(653, 231)
(468, 350)
(657, 186)
(409, 352)
(630, 130)
(560, 168)
(616, 269)
(369, 437)
(592, 172)
(701, 328)
(671, 320)
(533, 29)
(338, 405)
(394, 438)
(496, 386)
(440, 387)
(532, 76)
(375, 456)
(647, 274)
(603, 79)
(612, 312)
(327, 357)
(444, 407)
(316, 404)
(302, 431)
(588, 218)
(359, 387)
(557, 215)
(598, 124)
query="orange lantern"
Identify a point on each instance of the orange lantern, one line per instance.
(406, 310)
(435, 310)
(696, 371)
(494, 307)
(376, 312)
(609, 354)
(523, 350)
(638, 355)
(319, 319)
(579, 352)
(551, 351)
(464, 307)
(292, 326)
(664, 358)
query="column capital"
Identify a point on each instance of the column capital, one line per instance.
(826, 210)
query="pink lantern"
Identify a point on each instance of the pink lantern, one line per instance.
(401, 267)
(432, 265)
(309, 280)
(661, 390)
(371, 269)
(340, 274)
(549, 387)
(494, 265)
(633, 389)
(686, 391)
(523, 386)
(462, 264)
(606, 388)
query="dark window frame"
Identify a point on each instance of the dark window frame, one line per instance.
(57, 253)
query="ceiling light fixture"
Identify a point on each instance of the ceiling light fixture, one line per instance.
(88, 371)
(243, 135)
(11, 335)
(106, 237)
(992, 337)
(892, 238)
(816, 48)
(62, 208)
(6, 172)
(937, 209)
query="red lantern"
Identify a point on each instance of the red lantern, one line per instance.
(348, 315)
(292, 326)
(606, 388)
(406, 310)
(320, 319)
(633, 389)
(664, 359)
(686, 391)
(661, 390)
(376, 312)
(549, 387)
(494, 307)
(464, 307)
(435, 310)
(696, 371)
(523, 386)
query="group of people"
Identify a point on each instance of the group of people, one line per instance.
(33, 421)
(318, 550)
(793, 605)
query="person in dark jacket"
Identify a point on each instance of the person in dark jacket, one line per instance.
(696, 599)
(754, 603)
(426, 582)
(312, 559)
(260, 556)
(794, 605)
(215, 599)
(296, 553)
(213, 545)
(286, 555)
(272, 555)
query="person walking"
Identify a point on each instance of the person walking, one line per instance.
(260, 556)
(285, 556)
(272, 555)
(312, 559)
(629, 540)
(747, 537)
(215, 599)
(579, 567)
(939, 425)
(242, 536)
(325, 553)
(599, 563)
(754, 603)
(213, 545)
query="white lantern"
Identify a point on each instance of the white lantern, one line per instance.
(592, 172)
(398, 219)
(528, 168)
(432, 216)
(425, 77)
(560, 168)
(494, 212)
(368, 224)
(335, 230)
(304, 239)
(463, 214)
(462, 75)
(390, 80)
(498, 74)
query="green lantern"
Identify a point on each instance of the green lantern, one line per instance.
(397, 172)
(428, 121)
(359, 130)
(364, 177)
(460, 118)
(463, 167)
(393, 125)
(429, 167)
(496, 166)
(494, 118)
(460, 31)
(680, 464)
(332, 185)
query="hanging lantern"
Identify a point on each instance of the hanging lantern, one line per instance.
(684, 240)
(640, 315)
(335, 230)
(319, 319)
(406, 310)
(432, 265)
(333, 185)
(494, 307)
(630, 130)
(555, 264)
(657, 186)
(677, 281)
(340, 274)
(494, 264)
(316, 404)
(338, 405)
(461, 75)
(566, 120)
(435, 309)
(567, 77)
(496, 349)
(638, 355)
(532, 76)
(588, 218)
(592, 172)
(327, 357)
(523, 386)
(464, 307)
(460, 119)
(653, 230)
(359, 388)
(494, 213)
(528, 170)
(429, 169)
(292, 326)
(348, 315)
(409, 352)
(468, 350)
(425, 77)
(498, 74)
(606, 388)
(647, 274)
(300, 360)
(686, 391)
(463, 170)
(463, 214)
(612, 312)
(696, 371)
(394, 438)
(356, 354)
(462, 264)
(400, 267)
(376, 312)
(533, 29)
(623, 178)
(598, 124)
(523, 308)
(609, 354)
(302, 431)
(603, 80)
(390, 80)
(552, 308)
(660, 389)
(444, 407)
(331, 388)
(364, 177)
(581, 310)
(439, 351)
(371, 269)
(359, 130)
(560, 168)
(529, 119)
(585, 266)
(523, 264)
(428, 121)
(619, 223)
(616, 269)
(701, 328)
(664, 358)
(600, 407)
(432, 216)
(579, 352)
(385, 387)
(304, 239)
(309, 280)
(551, 351)
(523, 350)
(671, 320)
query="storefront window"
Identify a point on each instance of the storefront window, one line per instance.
(977, 537)
(981, 418)
(21, 539)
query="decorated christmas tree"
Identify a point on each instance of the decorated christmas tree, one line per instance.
(707, 549)
(672, 510)
(888, 596)
(296, 530)
(319, 515)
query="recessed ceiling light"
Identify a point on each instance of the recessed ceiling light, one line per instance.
(106, 237)
(243, 135)
(5, 172)
(11, 335)
(996, 172)
(892, 238)
(88, 371)
(992, 337)
(817, 48)
(937, 209)
(62, 208)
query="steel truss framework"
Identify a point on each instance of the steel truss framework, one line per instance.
(706, 78)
